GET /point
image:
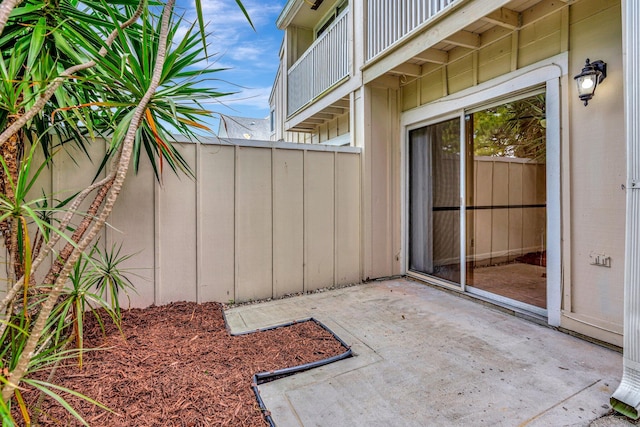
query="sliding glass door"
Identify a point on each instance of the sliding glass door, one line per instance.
(496, 158)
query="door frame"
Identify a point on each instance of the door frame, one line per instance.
(550, 74)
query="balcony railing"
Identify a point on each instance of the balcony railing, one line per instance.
(323, 65)
(389, 21)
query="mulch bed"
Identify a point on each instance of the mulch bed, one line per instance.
(178, 366)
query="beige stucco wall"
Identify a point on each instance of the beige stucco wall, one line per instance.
(593, 148)
(259, 220)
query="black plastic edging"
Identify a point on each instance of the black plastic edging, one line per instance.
(264, 377)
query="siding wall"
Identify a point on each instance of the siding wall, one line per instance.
(597, 160)
(382, 181)
(260, 220)
(593, 147)
(502, 51)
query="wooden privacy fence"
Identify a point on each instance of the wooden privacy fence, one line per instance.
(260, 220)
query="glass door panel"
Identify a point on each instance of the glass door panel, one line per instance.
(506, 200)
(434, 200)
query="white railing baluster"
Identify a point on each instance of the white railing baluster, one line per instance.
(390, 20)
(323, 65)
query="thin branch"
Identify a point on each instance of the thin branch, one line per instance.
(58, 81)
(6, 7)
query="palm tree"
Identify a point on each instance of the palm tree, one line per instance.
(72, 72)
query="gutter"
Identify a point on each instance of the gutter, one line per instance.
(626, 399)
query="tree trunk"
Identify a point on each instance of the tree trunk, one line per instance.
(79, 232)
(11, 152)
(15, 376)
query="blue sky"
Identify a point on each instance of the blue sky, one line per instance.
(251, 56)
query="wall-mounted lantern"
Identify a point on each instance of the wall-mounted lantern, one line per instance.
(592, 74)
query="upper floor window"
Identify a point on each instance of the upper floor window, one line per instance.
(331, 16)
(272, 121)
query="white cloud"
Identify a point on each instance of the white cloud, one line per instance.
(246, 53)
(227, 21)
(256, 97)
(251, 57)
(230, 34)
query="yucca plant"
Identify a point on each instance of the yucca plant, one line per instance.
(72, 71)
(96, 284)
(45, 360)
(16, 323)
(109, 278)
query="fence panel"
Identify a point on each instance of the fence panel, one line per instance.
(176, 274)
(216, 223)
(260, 220)
(347, 218)
(288, 221)
(253, 224)
(319, 189)
(136, 233)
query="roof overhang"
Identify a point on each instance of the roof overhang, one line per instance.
(289, 11)
(303, 13)
(311, 121)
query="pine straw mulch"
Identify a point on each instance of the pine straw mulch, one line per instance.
(178, 366)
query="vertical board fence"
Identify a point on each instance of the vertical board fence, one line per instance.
(259, 220)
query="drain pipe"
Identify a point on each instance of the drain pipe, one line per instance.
(626, 398)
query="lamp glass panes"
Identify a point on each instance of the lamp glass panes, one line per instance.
(592, 74)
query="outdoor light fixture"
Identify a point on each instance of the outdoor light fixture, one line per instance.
(592, 74)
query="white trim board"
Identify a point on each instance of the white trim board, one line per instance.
(505, 85)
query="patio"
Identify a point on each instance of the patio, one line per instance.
(426, 357)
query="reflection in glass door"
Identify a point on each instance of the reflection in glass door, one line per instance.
(505, 201)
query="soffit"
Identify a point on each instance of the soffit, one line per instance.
(477, 29)
(335, 109)
(298, 13)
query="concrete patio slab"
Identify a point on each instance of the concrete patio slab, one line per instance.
(425, 357)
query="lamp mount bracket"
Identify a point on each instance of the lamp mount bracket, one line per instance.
(633, 184)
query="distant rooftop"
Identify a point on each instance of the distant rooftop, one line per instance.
(244, 128)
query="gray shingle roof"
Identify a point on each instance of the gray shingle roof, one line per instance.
(244, 128)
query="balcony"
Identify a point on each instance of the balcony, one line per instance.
(322, 66)
(390, 21)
